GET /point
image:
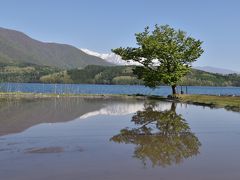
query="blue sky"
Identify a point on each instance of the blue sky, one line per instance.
(101, 25)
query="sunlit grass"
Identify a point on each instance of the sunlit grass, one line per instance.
(228, 102)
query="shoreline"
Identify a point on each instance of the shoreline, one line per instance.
(22, 95)
(228, 102)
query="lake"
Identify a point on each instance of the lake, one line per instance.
(113, 89)
(114, 139)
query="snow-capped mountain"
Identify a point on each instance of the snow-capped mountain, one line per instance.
(110, 57)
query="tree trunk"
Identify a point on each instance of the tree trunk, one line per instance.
(173, 107)
(174, 92)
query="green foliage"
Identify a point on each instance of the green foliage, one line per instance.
(59, 77)
(104, 75)
(125, 80)
(166, 55)
(24, 72)
(85, 75)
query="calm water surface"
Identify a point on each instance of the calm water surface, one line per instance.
(106, 139)
(113, 89)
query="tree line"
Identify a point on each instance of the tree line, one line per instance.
(94, 74)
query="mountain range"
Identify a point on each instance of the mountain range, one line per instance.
(16, 48)
(216, 70)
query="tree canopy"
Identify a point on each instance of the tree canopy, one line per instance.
(165, 55)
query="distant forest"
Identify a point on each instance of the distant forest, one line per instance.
(94, 74)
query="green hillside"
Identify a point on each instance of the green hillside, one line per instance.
(124, 75)
(24, 72)
(94, 74)
(202, 78)
(16, 47)
(104, 75)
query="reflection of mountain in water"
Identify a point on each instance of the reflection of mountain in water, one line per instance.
(123, 108)
(163, 137)
(18, 115)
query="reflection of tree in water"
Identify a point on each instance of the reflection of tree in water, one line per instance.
(163, 137)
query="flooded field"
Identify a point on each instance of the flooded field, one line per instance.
(116, 139)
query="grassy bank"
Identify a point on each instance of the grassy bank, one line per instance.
(227, 102)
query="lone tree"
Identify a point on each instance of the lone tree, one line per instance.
(165, 55)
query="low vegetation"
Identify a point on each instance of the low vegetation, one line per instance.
(227, 102)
